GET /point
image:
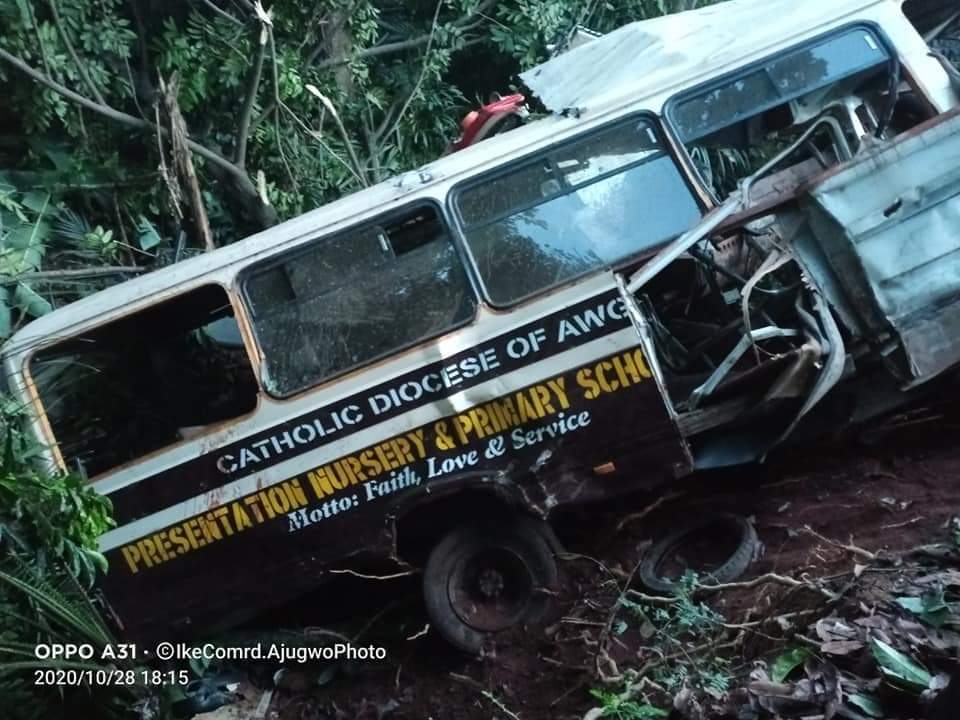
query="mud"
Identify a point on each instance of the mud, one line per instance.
(898, 492)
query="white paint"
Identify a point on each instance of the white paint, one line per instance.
(497, 387)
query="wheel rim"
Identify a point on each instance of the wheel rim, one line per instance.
(490, 589)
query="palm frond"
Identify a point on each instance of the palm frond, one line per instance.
(70, 226)
(76, 614)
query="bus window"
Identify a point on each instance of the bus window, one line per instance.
(574, 209)
(356, 297)
(731, 127)
(145, 381)
(784, 78)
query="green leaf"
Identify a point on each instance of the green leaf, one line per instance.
(896, 665)
(147, 234)
(98, 559)
(71, 226)
(31, 302)
(25, 16)
(930, 608)
(868, 704)
(787, 662)
(80, 620)
(36, 201)
(6, 319)
(23, 236)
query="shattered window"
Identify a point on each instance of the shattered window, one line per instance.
(732, 127)
(356, 297)
(145, 381)
(780, 80)
(573, 210)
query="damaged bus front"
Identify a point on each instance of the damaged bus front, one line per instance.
(826, 281)
(710, 239)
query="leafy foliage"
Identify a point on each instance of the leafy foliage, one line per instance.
(392, 75)
(49, 527)
(674, 628)
(616, 706)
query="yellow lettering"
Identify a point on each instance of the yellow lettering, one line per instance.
(296, 498)
(462, 426)
(320, 482)
(558, 387)
(241, 521)
(541, 400)
(132, 555)
(416, 439)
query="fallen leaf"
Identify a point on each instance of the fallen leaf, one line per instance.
(787, 662)
(896, 665)
(841, 647)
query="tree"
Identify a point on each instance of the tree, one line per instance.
(140, 132)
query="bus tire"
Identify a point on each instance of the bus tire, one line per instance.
(734, 567)
(484, 579)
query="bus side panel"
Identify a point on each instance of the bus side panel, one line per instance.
(183, 572)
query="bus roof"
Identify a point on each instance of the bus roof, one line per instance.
(646, 58)
(643, 61)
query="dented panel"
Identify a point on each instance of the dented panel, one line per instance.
(889, 225)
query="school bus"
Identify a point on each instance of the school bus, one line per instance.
(733, 226)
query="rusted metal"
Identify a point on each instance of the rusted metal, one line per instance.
(888, 224)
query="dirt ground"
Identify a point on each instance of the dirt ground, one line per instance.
(895, 493)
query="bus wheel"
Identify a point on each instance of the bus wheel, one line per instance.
(480, 580)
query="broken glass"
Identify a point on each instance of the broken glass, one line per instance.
(785, 78)
(355, 298)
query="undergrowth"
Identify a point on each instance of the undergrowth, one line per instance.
(669, 632)
(49, 525)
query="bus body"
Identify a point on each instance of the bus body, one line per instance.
(473, 339)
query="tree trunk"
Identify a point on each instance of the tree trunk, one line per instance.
(183, 161)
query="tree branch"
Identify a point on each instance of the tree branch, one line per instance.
(468, 20)
(375, 51)
(88, 81)
(423, 73)
(182, 160)
(101, 108)
(276, 119)
(253, 85)
(358, 169)
(381, 129)
(245, 5)
(222, 13)
(144, 88)
(122, 118)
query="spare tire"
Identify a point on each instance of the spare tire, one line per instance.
(734, 566)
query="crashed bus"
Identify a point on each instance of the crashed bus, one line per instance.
(712, 243)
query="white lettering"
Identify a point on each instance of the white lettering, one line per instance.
(448, 465)
(564, 424)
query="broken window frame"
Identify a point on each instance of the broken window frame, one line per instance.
(546, 154)
(353, 230)
(205, 430)
(670, 107)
